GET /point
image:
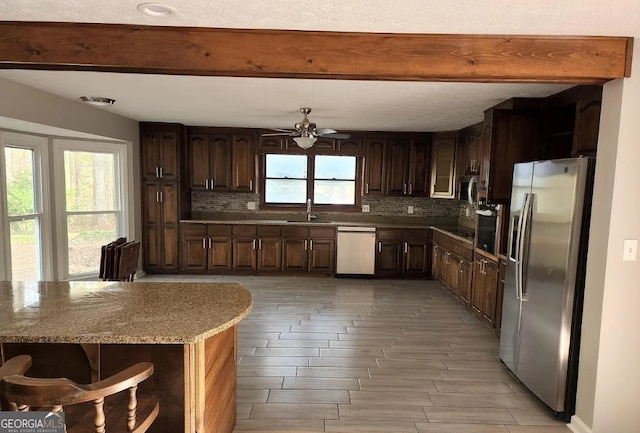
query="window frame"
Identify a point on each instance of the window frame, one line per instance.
(356, 207)
(42, 203)
(121, 174)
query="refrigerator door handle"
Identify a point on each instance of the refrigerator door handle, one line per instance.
(524, 243)
(518, 252)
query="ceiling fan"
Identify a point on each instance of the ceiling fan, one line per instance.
(305, 132)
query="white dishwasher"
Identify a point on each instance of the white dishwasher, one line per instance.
(356, 251)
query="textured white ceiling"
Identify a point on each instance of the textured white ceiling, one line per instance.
(335, 104)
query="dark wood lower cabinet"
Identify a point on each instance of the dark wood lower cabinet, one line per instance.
(245, 254)
(452, 265)
(466, 281)
(295, 255)
(403, 252)
(205, 247)
(322, 255)
(484, 292)
(270, 254)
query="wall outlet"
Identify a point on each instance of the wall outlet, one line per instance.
(410, 209)
(251, 205)
(366, 208)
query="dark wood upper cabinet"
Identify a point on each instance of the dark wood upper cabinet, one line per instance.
(443, 165)
(243, 163)
(587, 126)
(210, 162)
(159, 144)
(469, 150)
(353, 145)
(419, 167)
(222, 159)
(375, 161)
(509, 136)
(397, 166)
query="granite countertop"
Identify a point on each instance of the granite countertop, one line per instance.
(119, 312)
(463, 233)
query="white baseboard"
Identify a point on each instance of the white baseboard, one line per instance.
(578, 426)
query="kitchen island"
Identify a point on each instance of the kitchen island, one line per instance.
(90, 330)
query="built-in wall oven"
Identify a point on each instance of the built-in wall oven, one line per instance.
(487, 227)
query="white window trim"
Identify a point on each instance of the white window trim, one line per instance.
(123, 222)
(42, 202)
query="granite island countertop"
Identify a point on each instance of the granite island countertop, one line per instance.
(119, 312)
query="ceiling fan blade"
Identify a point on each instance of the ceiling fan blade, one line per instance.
(280, 134)
(335, 135)
(281, 130)
(324, 131)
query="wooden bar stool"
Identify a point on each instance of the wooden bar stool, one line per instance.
(125, 412)
(14, 366)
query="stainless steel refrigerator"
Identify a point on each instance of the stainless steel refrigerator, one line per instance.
(544, 283)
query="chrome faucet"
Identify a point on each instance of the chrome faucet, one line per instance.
(310, 216)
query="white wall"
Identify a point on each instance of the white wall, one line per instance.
(609, 381)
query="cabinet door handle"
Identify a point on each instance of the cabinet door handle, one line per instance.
(259, 244)
(210, 243)
(161, 197)
(311, 245)
(254, 244)
(250, 185)
(366, 189)
(161, 174)
(157, 196)
(404, 188)
(410, 189)
(157, 172)
(379, 246)
(204, 243)
(306, 244)
(406, 247)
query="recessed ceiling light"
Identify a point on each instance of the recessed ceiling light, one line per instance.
(97, 100)
(157, 10)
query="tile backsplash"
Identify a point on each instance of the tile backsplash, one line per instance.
(207, 204)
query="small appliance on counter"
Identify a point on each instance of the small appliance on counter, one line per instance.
(487, 227)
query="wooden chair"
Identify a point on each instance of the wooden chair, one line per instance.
(16, 365)
(123, 414)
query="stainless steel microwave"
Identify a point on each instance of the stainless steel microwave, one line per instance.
(468, 190)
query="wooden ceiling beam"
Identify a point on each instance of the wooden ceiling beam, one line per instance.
(313, 54)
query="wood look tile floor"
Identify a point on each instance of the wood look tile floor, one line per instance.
(322, 354)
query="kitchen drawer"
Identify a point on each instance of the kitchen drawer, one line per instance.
(295, 232)
(322, 232)
(416, 234)
(189, 229)
(389, 234)
(455, 246)
(219, 230)
(245, 231)
(269, 231)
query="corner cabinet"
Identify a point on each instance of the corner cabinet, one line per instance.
(403, 252)
(163, 194)
(443, 166)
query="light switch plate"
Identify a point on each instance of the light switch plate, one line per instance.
(409, 209)
(366, 208)
(630, 252)
(251, 205)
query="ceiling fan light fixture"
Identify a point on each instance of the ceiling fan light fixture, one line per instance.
(305, 142)
(98, 101)
(156, 10)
